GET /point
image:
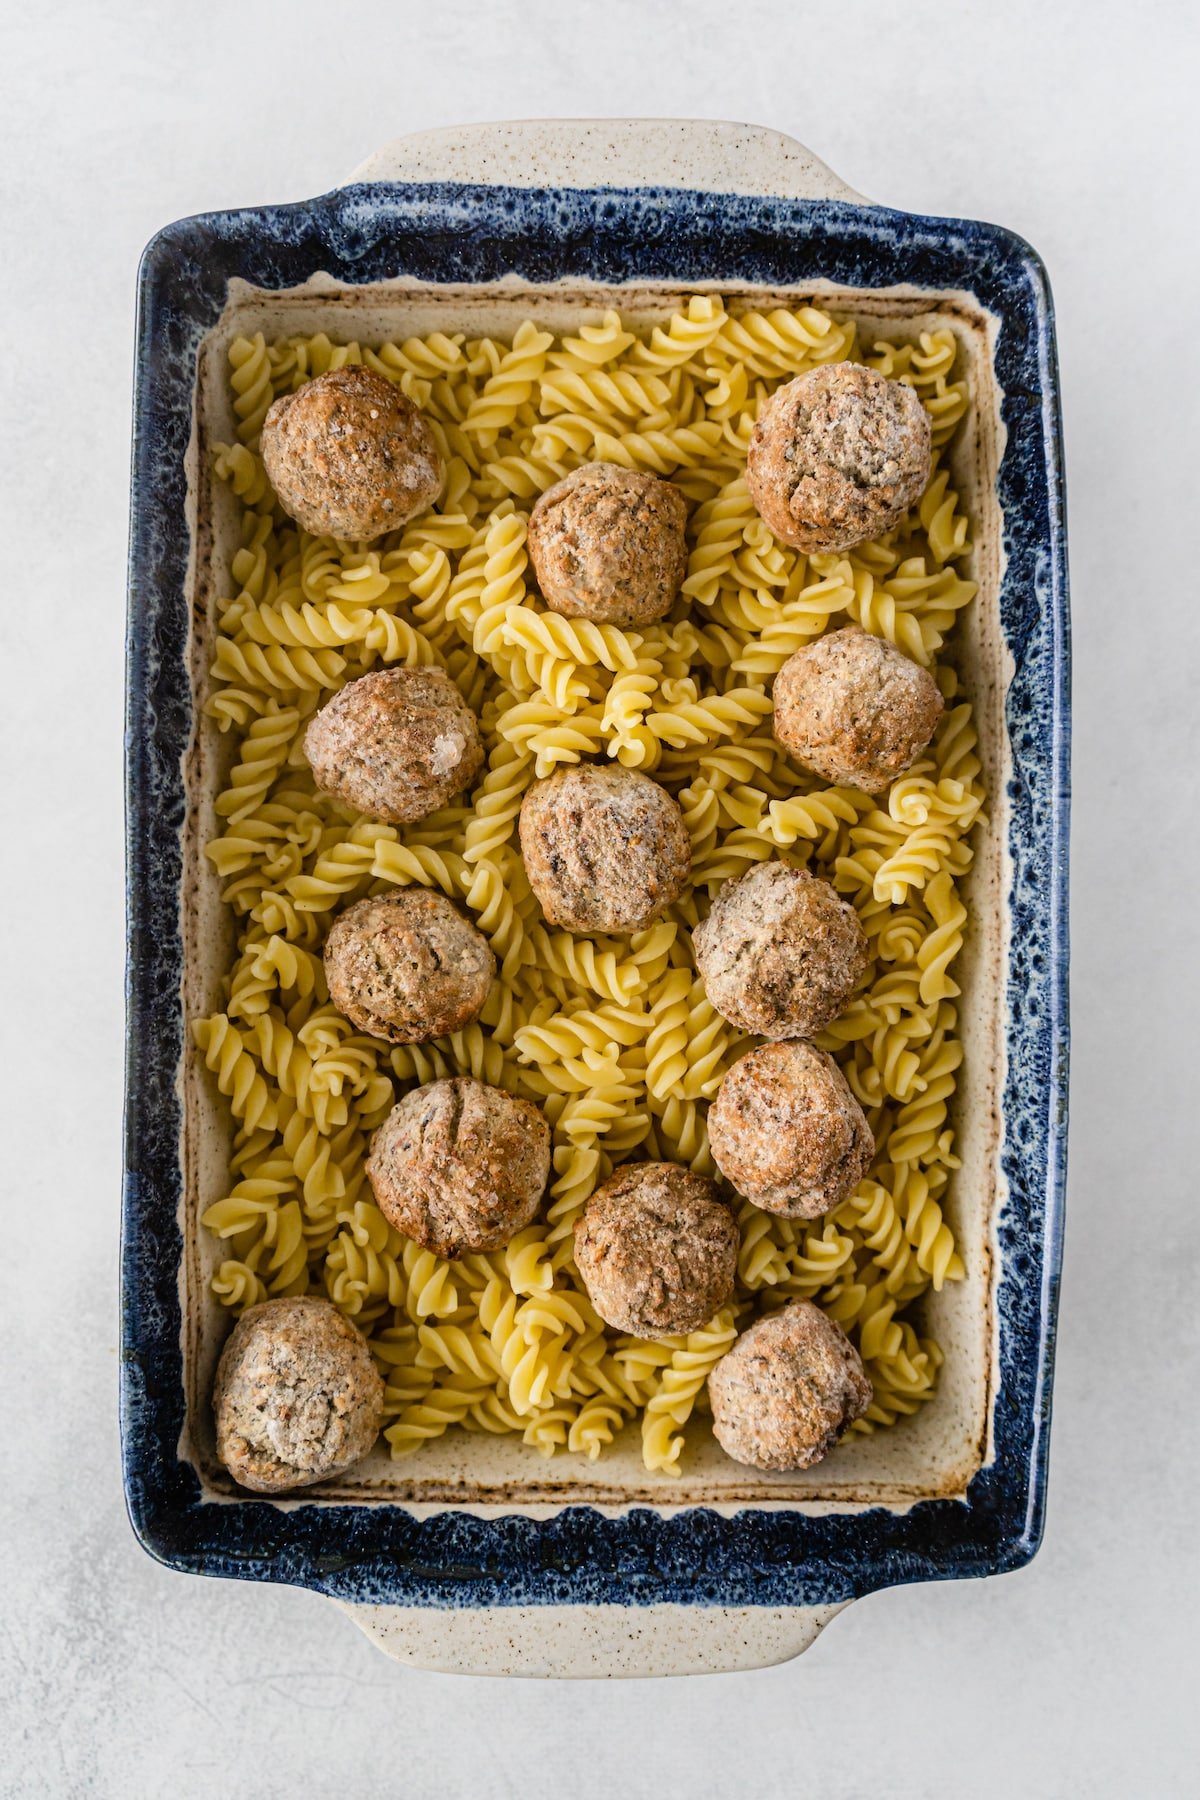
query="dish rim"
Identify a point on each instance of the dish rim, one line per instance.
(440, 232)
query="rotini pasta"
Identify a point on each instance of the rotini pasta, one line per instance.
(614, 1037)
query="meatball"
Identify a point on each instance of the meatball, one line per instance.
(788, 1133)
(395, 744)
(855, 709)
(350, 456)
(297, 1396)
(838, 455)
(780, 953)
(657, 1249)
(607, 544)
(788, 1390)
(460, 1166)
(604, 849)
(408, 966)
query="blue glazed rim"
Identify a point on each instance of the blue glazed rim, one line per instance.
(452, 233)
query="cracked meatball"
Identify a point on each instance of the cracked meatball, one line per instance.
(854, 709)
(395, 744)
(604, 849)
(460, 1166)
(297, 1396)
(780, 953)
(838, 456)
(657, 1249)
(788, 1390)
(350, 456)
(607, 544)
(788, 1133)
(408, 966)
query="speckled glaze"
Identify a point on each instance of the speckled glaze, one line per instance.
(699, 1575)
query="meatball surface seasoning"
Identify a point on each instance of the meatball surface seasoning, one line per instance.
(350, 456)
(780, 952)
(607, 544)
(838, 456)
(787, 1132)
(297, 1396)
(791, 1386)
(460, 1166)
(854, 709)
(408, 967)
(604, 849)
(395, 744)
(657, 1248)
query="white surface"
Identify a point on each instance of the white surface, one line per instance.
(1076, 125)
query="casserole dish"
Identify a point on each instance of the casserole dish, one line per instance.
(477, 1556)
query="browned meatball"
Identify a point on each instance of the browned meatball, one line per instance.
(604, 849)
(788, 1133)
(855, 709)
(408, 966)
(780, 953)
(788, 1390)
(460, 1166)
(395, 744)
(607, 544)
(297, 1396)
(657, 1249)
(837, 456)
(350, 456)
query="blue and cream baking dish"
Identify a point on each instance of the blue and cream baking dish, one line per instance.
(480, 1557)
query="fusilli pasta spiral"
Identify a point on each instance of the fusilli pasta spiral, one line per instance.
(613, 1037)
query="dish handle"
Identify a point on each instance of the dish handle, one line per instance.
(713, 155)
(582, 1642)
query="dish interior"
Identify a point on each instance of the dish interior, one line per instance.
(936, 1452)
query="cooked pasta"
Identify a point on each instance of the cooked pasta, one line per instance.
(613, 1037)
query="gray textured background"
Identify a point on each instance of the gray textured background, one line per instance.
(1076, 125)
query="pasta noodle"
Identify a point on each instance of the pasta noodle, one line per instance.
(613, 1037)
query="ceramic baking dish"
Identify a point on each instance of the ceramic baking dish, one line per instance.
(479, 1555)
